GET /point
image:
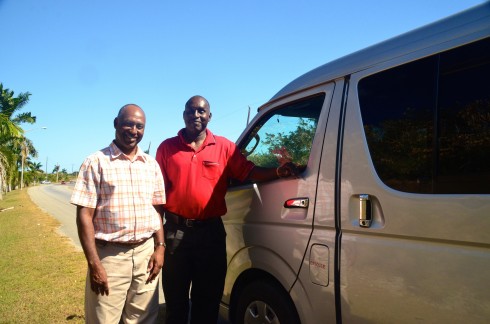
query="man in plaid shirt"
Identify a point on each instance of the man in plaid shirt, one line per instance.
(119, 196)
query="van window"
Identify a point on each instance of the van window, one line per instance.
(427, 123)
(284, 135)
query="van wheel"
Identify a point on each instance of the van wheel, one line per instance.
(262, 302)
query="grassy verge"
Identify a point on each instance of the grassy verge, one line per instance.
(42, 276)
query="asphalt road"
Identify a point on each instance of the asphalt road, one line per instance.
(55, 200)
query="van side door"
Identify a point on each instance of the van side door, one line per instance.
(415, 189)
(269, 224)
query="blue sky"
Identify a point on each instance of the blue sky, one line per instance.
(83, 60)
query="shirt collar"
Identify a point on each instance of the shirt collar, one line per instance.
(117, 153)
(208, 141)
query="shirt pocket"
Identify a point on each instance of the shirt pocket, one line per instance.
(210, 170)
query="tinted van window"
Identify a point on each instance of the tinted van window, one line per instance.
(285, 135)
(427, 123)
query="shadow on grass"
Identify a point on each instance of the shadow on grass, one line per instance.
(74, 317)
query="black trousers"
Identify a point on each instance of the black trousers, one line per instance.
(195, 259)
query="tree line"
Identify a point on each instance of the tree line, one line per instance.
(16, 150)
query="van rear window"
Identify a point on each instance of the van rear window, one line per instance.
(427, 122)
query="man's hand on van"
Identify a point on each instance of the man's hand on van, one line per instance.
(288, 169)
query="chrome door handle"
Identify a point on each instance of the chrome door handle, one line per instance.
(365, 211)
(297, 203)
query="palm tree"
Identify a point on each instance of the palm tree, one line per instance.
(26, 151)
(56, 170)
(36, 167)
(35, 172)
(9, 105)
(5, 158)
(11, 133)
(64, 174)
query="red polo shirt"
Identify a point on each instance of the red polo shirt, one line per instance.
(196, 181)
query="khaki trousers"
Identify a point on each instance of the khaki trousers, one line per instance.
(130, 299)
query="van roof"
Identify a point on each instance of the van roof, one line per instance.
(471, 21)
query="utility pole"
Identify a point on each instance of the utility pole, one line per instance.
(248, 117)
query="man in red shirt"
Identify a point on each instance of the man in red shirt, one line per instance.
(197, 166)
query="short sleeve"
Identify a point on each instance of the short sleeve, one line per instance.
(86, 188)
(238, 164)
(159, 192)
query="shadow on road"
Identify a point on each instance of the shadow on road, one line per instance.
(161, 315)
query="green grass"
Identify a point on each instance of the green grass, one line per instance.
(42, 276)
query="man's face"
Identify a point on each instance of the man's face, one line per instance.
(196, 116)
(130, 128)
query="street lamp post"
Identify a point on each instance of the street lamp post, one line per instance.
(24, 153)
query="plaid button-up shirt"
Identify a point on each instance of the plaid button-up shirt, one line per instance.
(123, 192)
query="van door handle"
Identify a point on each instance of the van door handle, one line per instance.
(365, 210)
(297, 203)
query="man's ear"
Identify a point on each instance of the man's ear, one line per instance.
(115, 122)
(210, 115)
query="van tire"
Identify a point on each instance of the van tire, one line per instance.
(263, 302)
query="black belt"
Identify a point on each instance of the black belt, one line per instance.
(179, 220)
(123, 244)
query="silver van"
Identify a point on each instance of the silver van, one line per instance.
(389, 220)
